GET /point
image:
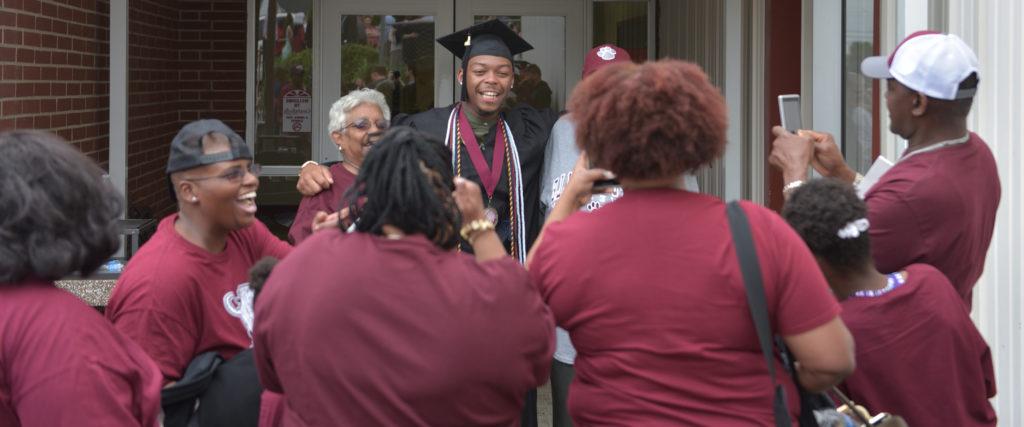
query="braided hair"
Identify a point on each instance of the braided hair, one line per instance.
(406, 182)
(817, 211)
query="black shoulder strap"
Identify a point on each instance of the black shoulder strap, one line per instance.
(751, 269)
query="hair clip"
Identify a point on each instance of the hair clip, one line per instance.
(853, 229)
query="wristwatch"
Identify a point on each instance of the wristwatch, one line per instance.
(471, 230)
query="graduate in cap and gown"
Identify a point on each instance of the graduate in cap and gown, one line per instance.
(501, 149)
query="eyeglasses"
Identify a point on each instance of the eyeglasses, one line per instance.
(364, 124)
(234, 175)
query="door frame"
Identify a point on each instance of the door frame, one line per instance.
(328, 90)
(573, 11)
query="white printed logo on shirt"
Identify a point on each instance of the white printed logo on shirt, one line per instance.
(239, 304)
(596, 201)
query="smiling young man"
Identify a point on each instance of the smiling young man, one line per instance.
(501, 149)
(186, 291)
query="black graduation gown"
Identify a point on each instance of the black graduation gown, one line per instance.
(530, 129)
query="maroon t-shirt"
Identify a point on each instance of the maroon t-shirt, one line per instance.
(62, 364)
(937, 208)
(177, 300)
(328, 201)
(651, 293)
(357, 329)
(919, 355)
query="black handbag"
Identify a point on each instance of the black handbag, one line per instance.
(214, 392)
(816, 409)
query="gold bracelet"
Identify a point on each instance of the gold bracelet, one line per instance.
(469, 231)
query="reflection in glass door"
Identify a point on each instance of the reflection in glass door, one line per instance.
(393, 54)
(623, 23)
(540, 73)
(546, 75)
(386, 45)
(282, 135)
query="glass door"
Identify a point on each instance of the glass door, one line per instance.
(546, 75)
(387, 45)
(281, 124)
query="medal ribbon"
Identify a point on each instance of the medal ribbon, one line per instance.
(489, 176)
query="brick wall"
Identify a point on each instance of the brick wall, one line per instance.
(54, 70)
(186, 62)
(153, 100)
(212, 67)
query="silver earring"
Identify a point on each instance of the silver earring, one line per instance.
(195, 199)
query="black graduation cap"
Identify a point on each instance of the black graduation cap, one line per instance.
(487, 38)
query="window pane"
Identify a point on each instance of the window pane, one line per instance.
(393, 54)
(624, 24)
(284, 76)
(858, 93)
(540, 72)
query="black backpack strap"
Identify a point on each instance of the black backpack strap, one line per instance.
(751, 270)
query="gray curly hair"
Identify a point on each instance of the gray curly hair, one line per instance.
(341, 108)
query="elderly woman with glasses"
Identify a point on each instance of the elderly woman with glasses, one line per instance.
(356, 122)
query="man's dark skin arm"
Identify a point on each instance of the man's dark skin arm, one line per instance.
(795, 153)
(314, 178)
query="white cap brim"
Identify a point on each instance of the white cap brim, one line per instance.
(876, 67)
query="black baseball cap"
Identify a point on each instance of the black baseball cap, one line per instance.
(187, 146)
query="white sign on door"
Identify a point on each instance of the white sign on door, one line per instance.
(298, 112)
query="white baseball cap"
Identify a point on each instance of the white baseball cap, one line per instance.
(928, 62)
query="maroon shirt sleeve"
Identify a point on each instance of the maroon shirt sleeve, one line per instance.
(261, 357)
(302, 226)
(264, 243)
(543, 275)
(156, 321)
(112, 400)
(894, 230)
(64, 365)
(793, 281)
(537, 340)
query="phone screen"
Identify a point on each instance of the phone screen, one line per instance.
(789, 110)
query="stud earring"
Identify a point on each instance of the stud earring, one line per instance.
(195, 199)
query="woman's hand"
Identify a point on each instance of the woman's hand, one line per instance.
(575, 195)
(828, 160)
(486, 244)
(581, 185)
(323, 220)
(469, 200)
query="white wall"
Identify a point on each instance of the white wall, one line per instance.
(993, 29)
(824, 107)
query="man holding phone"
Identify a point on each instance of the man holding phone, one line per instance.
(937, 204)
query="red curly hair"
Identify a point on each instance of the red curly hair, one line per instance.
(649, 121)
